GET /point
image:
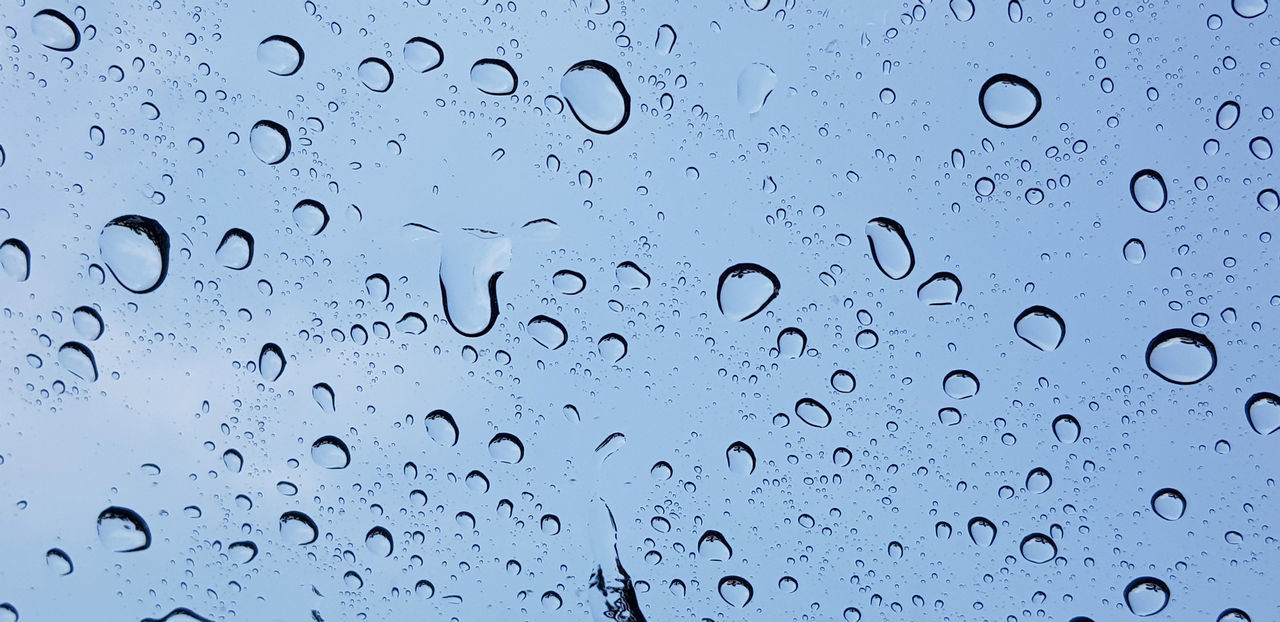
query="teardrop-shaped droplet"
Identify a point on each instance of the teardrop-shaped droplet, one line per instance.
(59, 562)
(379, 542)
(423, 55)
(76, 358)
(960, 384)
(713, 546)
(568, 282)
(735, 590)
(1038, 548)
(1135, 251)
(612, 347)
(1039, 480)
(1263, 412)
(470, 264)
(375, 74)
(55, 31)
(746, 289)
(813, 412)
(330, 452)
(1146, 596)
(15, 259)
(242, 552)
(741, 458)
(310, 216)
(270, 142)
(298, 529)
(322, 393)
(271, 362)
(962, 10)
(631, 276)
(1041, 327)
(547, 331)
(982, 531)
(280, 55)
(1066, 428)
(791, 343)
(506, 448)
(942, 288)
(889, 248)
(1228, 114)
(1148, 190)
(1008, 101)
(666, 39)
(136, 250)
(442, 428)
(1182, 356)
(1168, 504)
(122, 530)
(596, 96)
(235, 251)
(494, 76)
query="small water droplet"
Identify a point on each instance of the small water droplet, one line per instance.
(1039, 480)
(1041, 327)
(791, 342)
(568, 282)
(843, 381)
(1135, 251)
(494, 76)
(1008, 101)
(122, 530)
(1146, 596)
(666, 39)
(1182, 356)
(745, 289)
(612, 347)
(280, 55)
(136, 250)
(1260, 147)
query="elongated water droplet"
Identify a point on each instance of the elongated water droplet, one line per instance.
(55, 31)
(1041, 327)
(76, 358)
(58, 561)
(735, 590)
(1038, 548)
(15, 259)
(813, 412)
(1268, 199)
(982, 531)
(233, 460)
(631, 276)
(1066, 428)
(890, 249)
(235, 251)
(1008, 101)
(1146, 596)
(1148, 190)
(470, 264)
(1135, 251)
(270, 142)
(1263, 412)
(280, 55)
(136, 250)
(741, 458)
(298, 529)
(745, 289)
(271, 362)
(1182, 356)
(181, 614)
(122, 530)
(548, 332)
(960, 384)
(375, 74)
(494, 76)
(666, 39)
(942, 288)
(1168, 504)
(330, 452)
(442, 428)
(596, 96)
(379, 542)
(506, 448)
(962, 10)
(713, 546)
(755, 84)
(1228, 114)
(423, 55)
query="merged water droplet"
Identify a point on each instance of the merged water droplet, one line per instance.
(379, 542)
(736, 591)
(494, 76)
(1066, 428)
(596, 96)
(442, 428)
(982, 531)
(1228, 114)
(1182, 356)
(943, 288)
(1168, 504)
(1038, 548)
(122, 530)
(136, 250)
(1008, 101)
(547, 331)
(755, 84)
(58, 561)
(1263, 412)
(745, 289)
(423, 55)
(55, 31)
(270, 142)
(280, 55)
(889, 248)
(76, 358)
(812, 412)
(960, 384)
(375, 74)
(506, 448)
(235, 251)
(15, 259)
(470, 265)
(742, 459)
(1146, 596)
(1148, 190)
(298, 529)
(1041, 327)
(330, 452)
(310, 216)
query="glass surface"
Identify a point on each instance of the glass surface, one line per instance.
(614, 310)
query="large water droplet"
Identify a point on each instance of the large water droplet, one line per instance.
(494, 76)
(1168, 504)
(1260, 147)
(1041, 327)
(1148, 190)
(280, 55)
(1146, 596)
(1066, 428)
(1182, 356)
(631, 276)
(735, 590)
(122, 530)
(1263, 412)
(1038, 548)
(1008, 101)
(76, 358)
(15, 259)
(506, 448)
(55, 31)
(136, 250)
(297, 528)
(960, 384)
(741, 458)
(1268, 199)
(310, 216)
(1039, 480)
(962, 10)
(596, 96)
(330, 452)
(270, 142)
(379, 542)
(746, 289)
(942, 288)
(890, 248)
(813, 412)
(713, 546)
(755, 83)
(1249, 9)
(235, 251)
(612, 347)
(423, 55)
(666, 39)
(375, 74)
(791, 342)
(470, 265)
(1135, 251)
(1228, 114)
(548, 332)
(271, 362)
(322, 393)
(982, 531)
(1234, 615)
(242, 552)
(442, 428)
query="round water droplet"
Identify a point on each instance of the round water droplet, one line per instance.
(596, 96)
(493, 76)
(1168, 504)
(242, 552)
(548, 332)
(1039, 480)
(568, 282)
(1148, 190)
(1263, 412)
(136, 250)
(889, 248)
(962, 10)
(330, 452)
(1038, 548)
(1146, 596)
(631, 276)
(666, 39)
(1008, 101)
(949, 416)
(735, 590)
(235, 251)
(1233, 615)
(379, 542)
(1228, 114)
(298, 529)
(442, 428)
(612, 347)
(506, 448)
(1182, 356)
(271, 362)
(843, 381)
(1269, 199)
(122, 530)
(310, 216)
(376, 74)
(280, 55)
(58, 561)
(422, 55)
(960, 384)
(76, 358)
(1260, 147)
(942, 288)
(1066, 429)
(1041, 327)
(15, 259)
(755, 84)
(745, 289)
(55, 31)
(1249, 9)
(377, 286)
(813, 412)
(270, 142)
(982, 531)
(1135, 251)
(741, 458)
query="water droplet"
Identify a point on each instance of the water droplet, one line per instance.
(375, 74)
(270, 142)
(1146, 596)
(1269, 199)
(1038, 548)
(843, 381)
(757, 5)
(181, 614)
(1249, 9)
(568, 282)
(8, 613)
(661, 471)
(493, 76)
(377, 286)
(1228, 114)
(949, 416)
(1135, 251)
(1233, 615)
(755, 83)
(76, 358)
(612, 347)
(280, 55)
(411, 324)
(1008, 101)
(890, 248)
(1260, 147)
(1263, 412)
(442, 428)
(1039, 480)
(379, 542)
(271, 362)
(851, 614)
(298, 529)
(960, 384)
(666, 39)
(506, 448)
(791, 342)
(330, 452)
(1041, 327)
(55, 31)
(1168, 504)
(813, 412)
(962, 10)
(470, 265)
(1066, 429)
(242, 552)
(736, 591)
(982, 531)
(58, 561)
(323, 395)
(866, 339)
(1182, 356)
(548, 332)
(1148, 190)
(422, 55)
(596, 96)
(122, 530)
(15, 259)
(942, 288)
(235, 251)
(741, 458)
(136, 250)
(310, 216)
(630, 276)
(746, 289)
(233, 460)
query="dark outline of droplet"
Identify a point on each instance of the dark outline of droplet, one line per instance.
(1011, 79)
(1173, 492)
(288, 142)
(942, 276)
(274, 349)
(331, 440)
(573, 273)
(743, 268)
(741, 446)
(613, 76)
(554, 322)
(66, 21)
(1239, 613)
(291, 42)
(508, 437)
(493, 307)
(248, 544)
(1139, 581)
(155, 233)
(1133, 188)
(324, 211)
(1182, 333)
(897, 228)
(1255, 398)
(439, 51)
(620, 339)
(116, 512)
(381, 531)
(444, 416)
(674, 38)
(515, 79)
(242, 234)
(294, 515)
(22, 247)
(1047, 312)
(391, 76)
